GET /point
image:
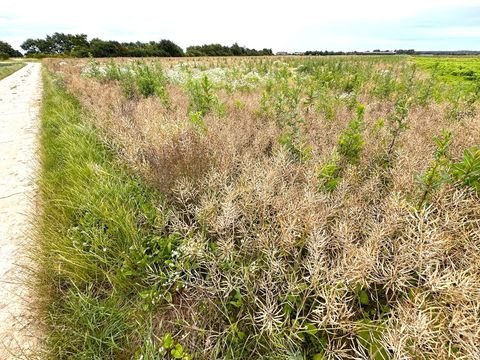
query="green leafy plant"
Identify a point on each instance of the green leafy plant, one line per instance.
(202, 96)
(197, 120)
(463, 106)
(370, 337)
(386, 84)
(129, 86)
(435, 175)
(466, 171)
(349, 148)
(298, 151)
(351, 141)
(150, 81)
(329, 175)
(397, 122)
(113, 72)
(171, 349)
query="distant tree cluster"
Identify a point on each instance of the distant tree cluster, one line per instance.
(220, 50)
(408, 52)
(7, 51)
(79, 46)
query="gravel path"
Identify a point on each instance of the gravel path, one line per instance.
(20, 95)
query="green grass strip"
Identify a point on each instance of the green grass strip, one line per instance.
(7, 69)
(101, 244)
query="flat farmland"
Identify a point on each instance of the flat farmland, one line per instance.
(261, 208)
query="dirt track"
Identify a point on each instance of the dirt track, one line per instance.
(19, 106)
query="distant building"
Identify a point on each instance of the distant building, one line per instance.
(285, 53)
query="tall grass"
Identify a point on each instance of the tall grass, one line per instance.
(102, 242)
(9, 68)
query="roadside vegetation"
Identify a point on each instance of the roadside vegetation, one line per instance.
(102, 241)
(8, 68)
(295, 208)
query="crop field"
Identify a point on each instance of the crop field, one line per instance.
(261, 208)
(454, 69)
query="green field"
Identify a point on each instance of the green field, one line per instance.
(8, 68)
(453, 70)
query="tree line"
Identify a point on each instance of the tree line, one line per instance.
(7, 51)
(78, 45)
(220, 50)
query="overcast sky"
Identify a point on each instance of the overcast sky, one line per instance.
(294, 25)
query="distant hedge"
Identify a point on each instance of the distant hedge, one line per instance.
(78, 45)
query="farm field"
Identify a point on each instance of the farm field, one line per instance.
(454, 69)
(260, 208)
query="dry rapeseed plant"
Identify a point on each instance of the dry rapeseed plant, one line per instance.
(274, 265)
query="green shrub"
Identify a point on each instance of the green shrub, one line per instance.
(329, 175)
(113, 72)
(467, 171)
(435, 175)
(297, 151)
(202, 96)
(150, 80)
(351, 141)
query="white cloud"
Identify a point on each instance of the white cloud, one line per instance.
(280, 24)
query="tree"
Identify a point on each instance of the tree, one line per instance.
(171, 49)
(57, 44)
(219, 50)
(8, 51)
(66, 43)
(237, 50)
(101, 48)
(77, 45)
(37, 46)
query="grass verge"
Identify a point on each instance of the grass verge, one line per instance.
(102, 242)
(7, 69)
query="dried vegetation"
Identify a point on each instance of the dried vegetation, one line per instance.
(323, 208)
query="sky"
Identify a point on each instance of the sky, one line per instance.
(295, 25)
